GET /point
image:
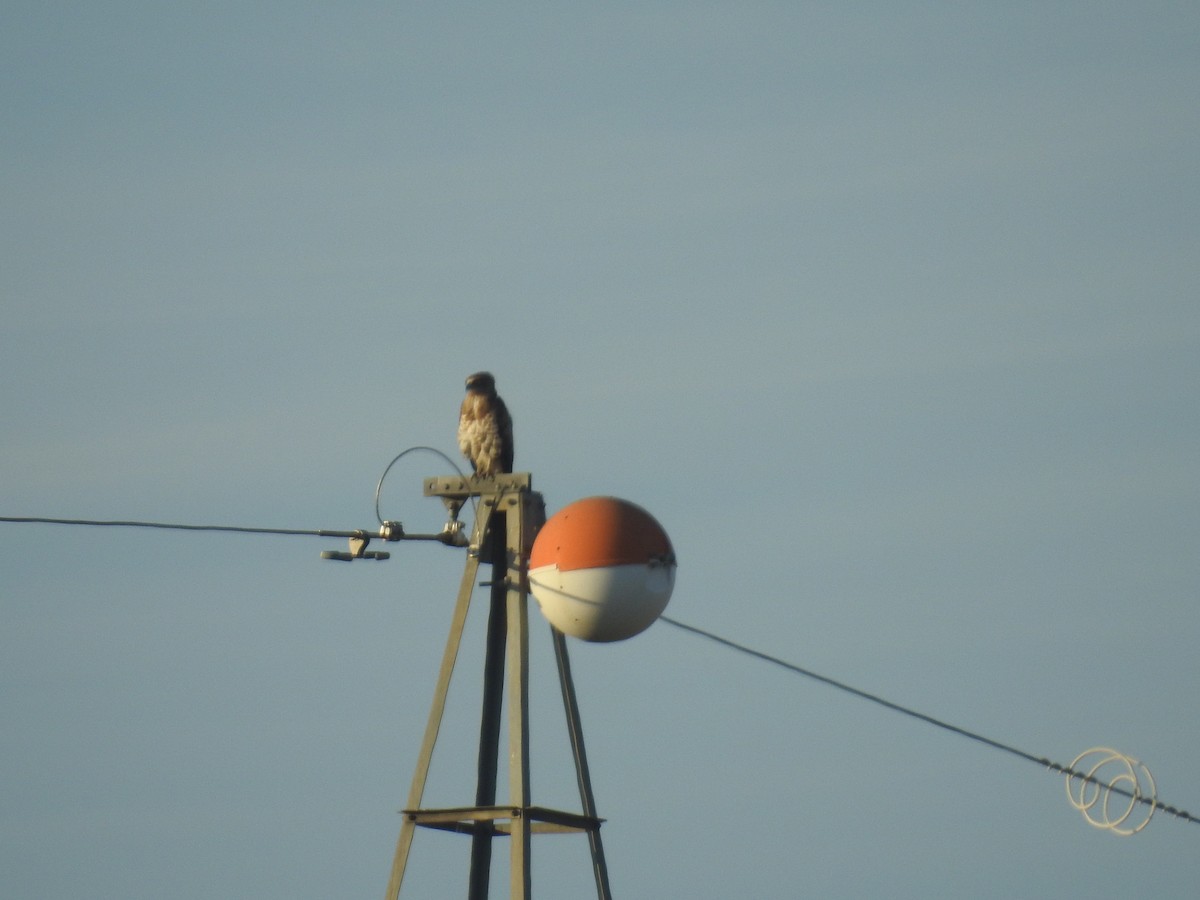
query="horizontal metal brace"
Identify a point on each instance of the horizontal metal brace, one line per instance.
(458, 487)
(498, 819)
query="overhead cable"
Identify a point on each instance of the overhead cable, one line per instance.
(1123, 784)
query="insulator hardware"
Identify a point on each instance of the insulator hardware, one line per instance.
(358, 549)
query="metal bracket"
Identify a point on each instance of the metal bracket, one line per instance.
(459, 488)
(358, 547)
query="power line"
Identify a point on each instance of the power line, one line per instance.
(1086, 777)
(115, 523)
(359, 538)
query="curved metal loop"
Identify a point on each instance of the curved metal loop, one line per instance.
(1095, 775)
(396, 459)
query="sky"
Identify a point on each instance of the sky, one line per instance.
(887, 312)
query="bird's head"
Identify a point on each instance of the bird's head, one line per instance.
(481, 383)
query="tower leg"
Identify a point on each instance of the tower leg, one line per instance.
(493, 702)
(582, 774)
(520, 537)
(449, 656)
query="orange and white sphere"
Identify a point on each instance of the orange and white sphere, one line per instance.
(602, 569)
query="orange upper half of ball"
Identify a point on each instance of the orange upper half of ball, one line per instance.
(599, 531)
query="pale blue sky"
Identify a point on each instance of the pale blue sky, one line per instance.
(888, 312)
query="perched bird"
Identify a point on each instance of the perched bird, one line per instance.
(485, 428)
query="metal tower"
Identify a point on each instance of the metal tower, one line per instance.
(507, 520)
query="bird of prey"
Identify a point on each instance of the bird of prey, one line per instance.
(485, 428)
